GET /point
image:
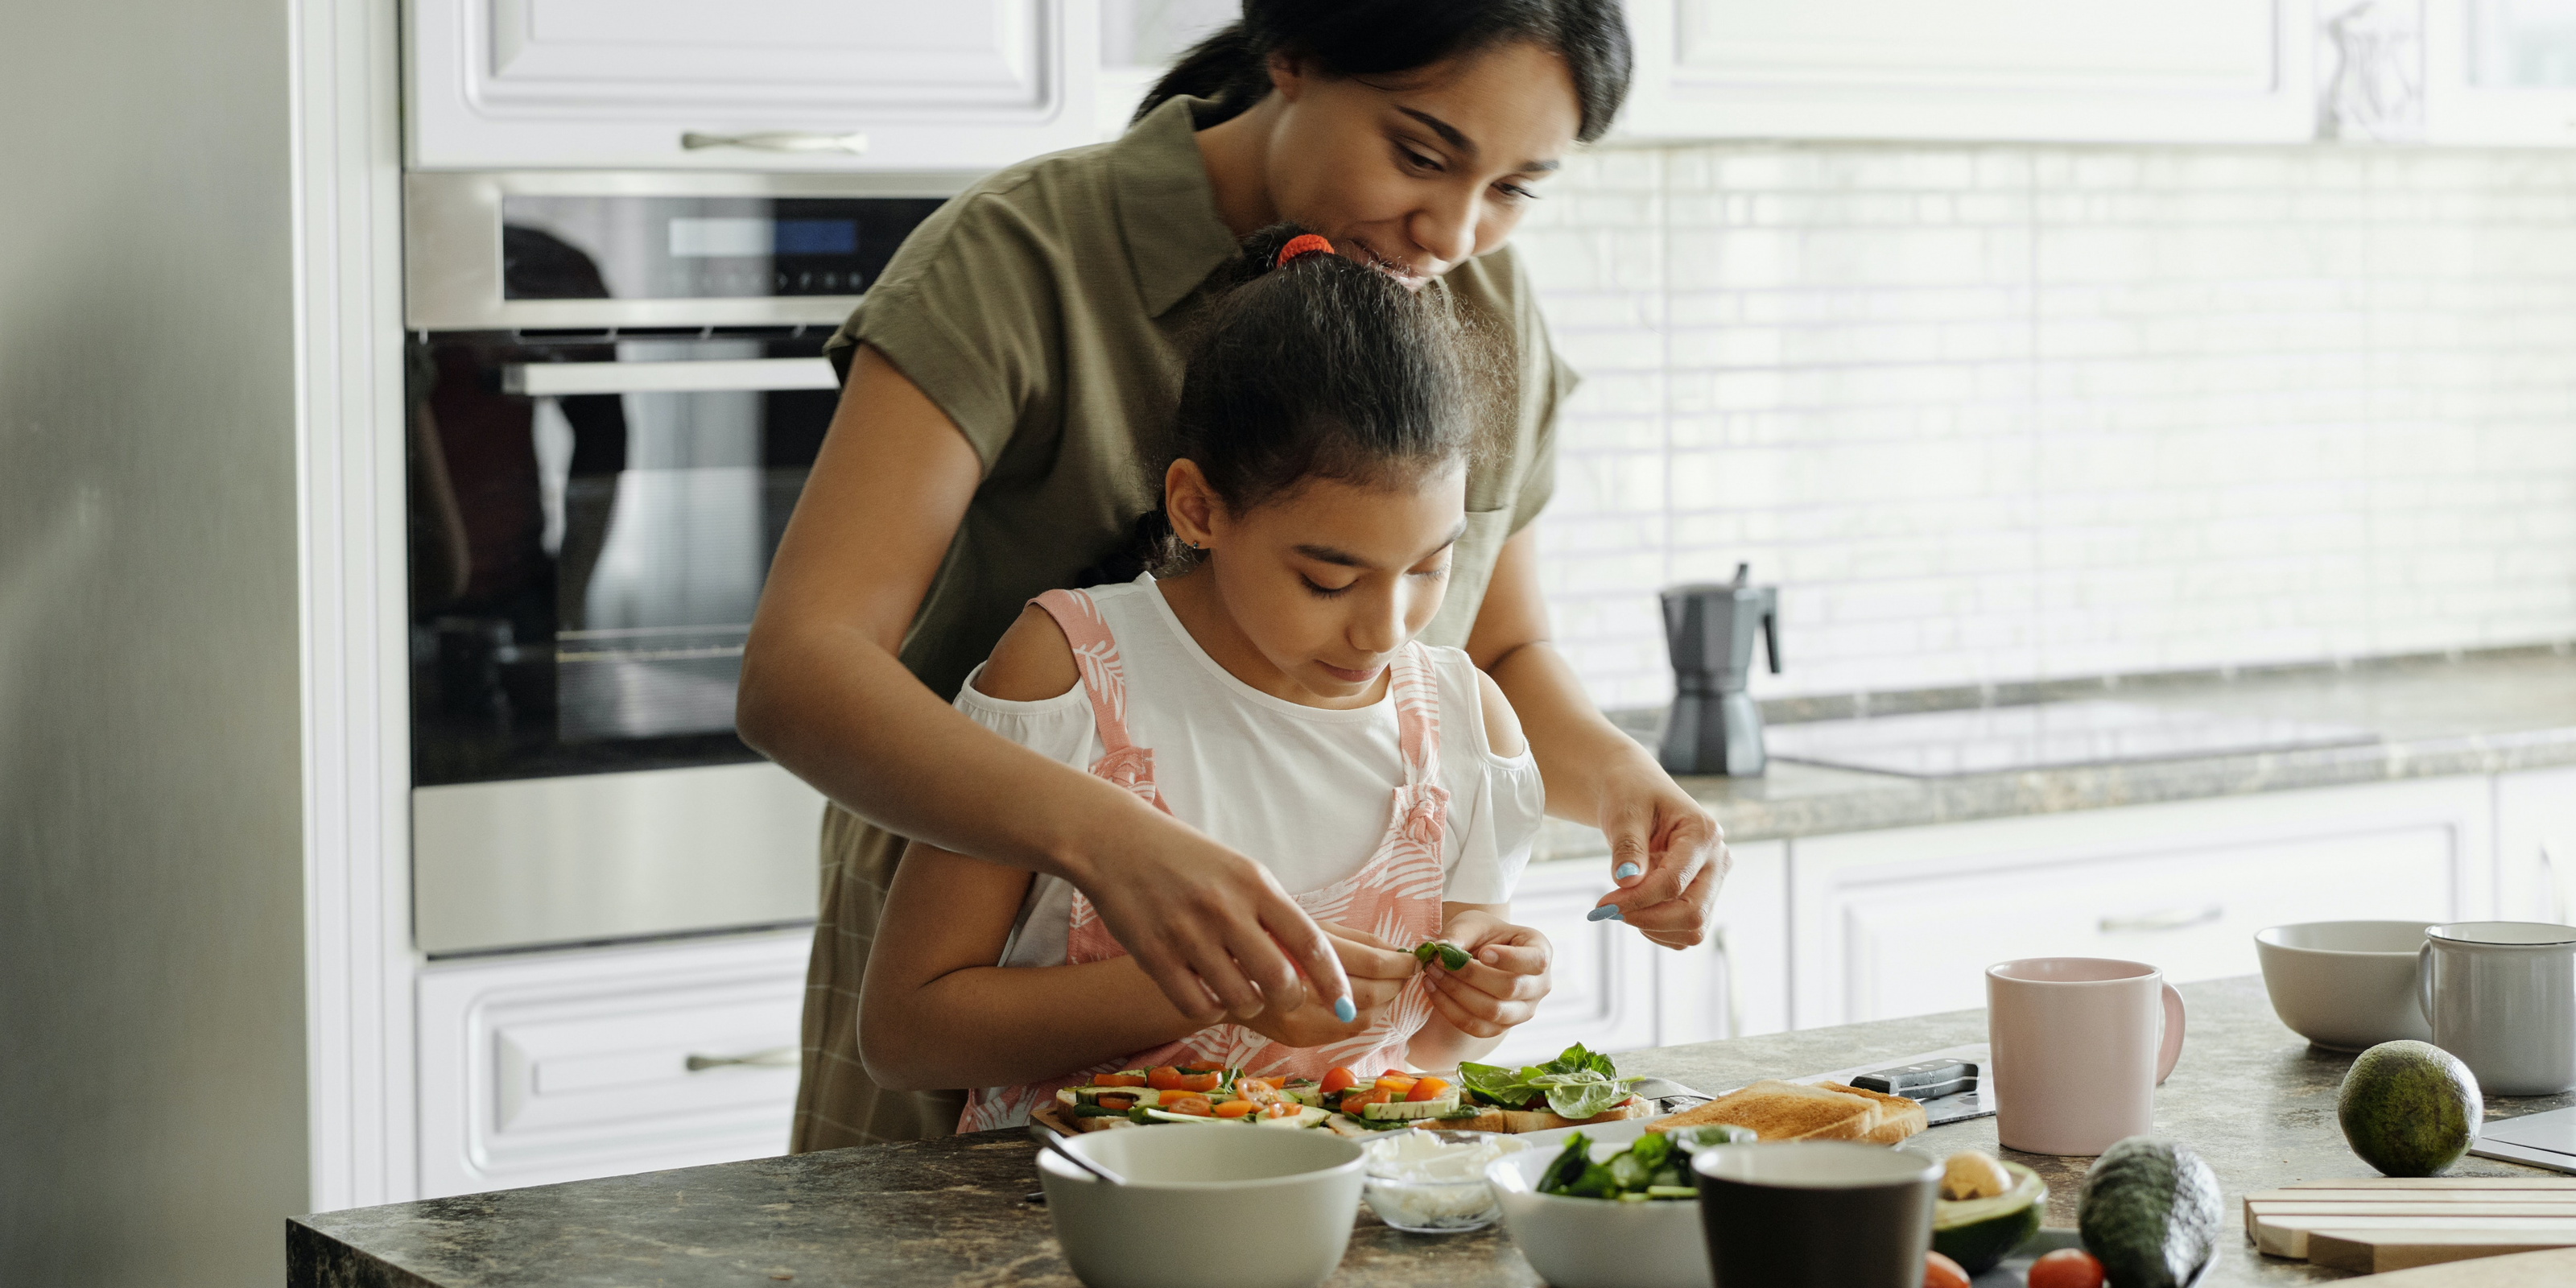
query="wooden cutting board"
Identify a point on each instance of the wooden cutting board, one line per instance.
(2386, 1223)
(2554, 1269)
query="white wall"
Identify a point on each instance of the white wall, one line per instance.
(2014, 413)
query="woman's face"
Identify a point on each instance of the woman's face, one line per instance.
(1324, 584)
(1420, 171)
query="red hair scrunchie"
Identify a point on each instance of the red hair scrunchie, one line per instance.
(1300, 246)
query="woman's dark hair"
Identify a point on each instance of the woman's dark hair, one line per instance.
(1382, 37)
(1322, 367)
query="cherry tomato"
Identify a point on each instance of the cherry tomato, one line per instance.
(1163, 1078)
(1194, 1106)
(1336, 1079)
(1118, 1102)
(1119, 1080)
(1236, 1109)
(2066, 1268)
(1427, 1089)
(1372, 1096)
(1271, 1083)
(1284, 1109)
(1201, 1082)
(1941, 1272)
(1397, 1082)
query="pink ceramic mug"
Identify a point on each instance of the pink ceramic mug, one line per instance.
(2079, 1045)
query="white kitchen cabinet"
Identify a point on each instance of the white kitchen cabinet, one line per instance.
(1616, 991)
(1905, 921)
(799, 84)
(2036, 70)
(565, 1066)
(2499, 72)
(2536, 845)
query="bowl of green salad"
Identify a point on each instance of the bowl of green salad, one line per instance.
(1610, 1215)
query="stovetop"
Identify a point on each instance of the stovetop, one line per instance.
(2047, 735)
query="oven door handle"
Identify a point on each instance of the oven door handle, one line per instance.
(557, 379)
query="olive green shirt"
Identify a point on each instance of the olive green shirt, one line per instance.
(1046, 311)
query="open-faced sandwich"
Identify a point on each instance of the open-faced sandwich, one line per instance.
(1144, 1097)
(1575, 1088)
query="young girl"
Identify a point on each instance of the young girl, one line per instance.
(1271, 695)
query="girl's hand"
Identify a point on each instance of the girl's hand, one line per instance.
(1666, 852)
(1378, 972)
(1502, 985)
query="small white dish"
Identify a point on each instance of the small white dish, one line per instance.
(2345, 985)
(1205, 1205)
(1433, 1204)
(1598, 1243)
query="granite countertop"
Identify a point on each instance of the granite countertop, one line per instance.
(2478, 713)
(2252, 1097)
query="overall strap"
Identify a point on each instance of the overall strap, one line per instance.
(1095, 654)
(1417, 713)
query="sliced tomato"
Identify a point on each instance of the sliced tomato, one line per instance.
(1118, 1080)
(1199, 1082)
(1236, 1109)
(1284, 1109)
(1271, 1083)
(1194, 1106)
(1163, 1078)
(1427, 1089)
(1117, 1102)
(1336, 1079)
(1398, 1083)
(1372, 1096)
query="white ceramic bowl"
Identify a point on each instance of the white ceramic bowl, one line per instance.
(1598, 1243)
(2345, 985)
(1205, 1205)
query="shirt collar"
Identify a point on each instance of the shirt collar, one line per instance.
(1167, 207)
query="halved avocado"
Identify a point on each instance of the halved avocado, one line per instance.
(1977, 1233)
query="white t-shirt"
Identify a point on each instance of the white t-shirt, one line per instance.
(1301, 790)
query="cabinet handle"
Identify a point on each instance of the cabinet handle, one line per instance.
(2174, 919)
(773, 1058)
(778, 141)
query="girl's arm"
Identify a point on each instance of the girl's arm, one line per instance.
(824, 694)
(1666, 850)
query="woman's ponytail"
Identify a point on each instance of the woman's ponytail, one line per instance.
(1228, 67)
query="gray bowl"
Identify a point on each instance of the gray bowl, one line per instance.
(2345, 985)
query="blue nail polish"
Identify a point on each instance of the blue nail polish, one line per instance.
(1344, 1011)
(1606, 912)
(1626, 870)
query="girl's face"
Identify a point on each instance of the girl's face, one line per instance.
(1318, 588)
(1420, 171)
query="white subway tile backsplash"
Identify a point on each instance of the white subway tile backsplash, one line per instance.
(1999, 414)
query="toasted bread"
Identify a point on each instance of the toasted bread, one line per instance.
(1782, 1111)
(1898, 1117)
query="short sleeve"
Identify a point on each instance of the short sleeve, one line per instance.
(968, 311)
(1059, 728)
(1501, 828)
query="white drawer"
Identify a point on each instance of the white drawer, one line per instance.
(1905, 922)
(608, 1061)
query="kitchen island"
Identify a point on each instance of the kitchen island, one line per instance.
(2251, 1096)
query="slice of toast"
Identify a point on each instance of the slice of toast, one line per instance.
(1515, 1121)
(1784, 1111)
(1898, 1116)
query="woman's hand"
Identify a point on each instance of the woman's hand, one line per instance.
(1502, 983)
(1378, 972)
(1666, 852)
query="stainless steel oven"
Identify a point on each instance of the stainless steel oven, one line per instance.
(616, 386)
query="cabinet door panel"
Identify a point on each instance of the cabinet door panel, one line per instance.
(1604, 972)
(1905, 922)
(573, 1065)
(2536, 844)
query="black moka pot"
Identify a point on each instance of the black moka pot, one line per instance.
(1714, 728)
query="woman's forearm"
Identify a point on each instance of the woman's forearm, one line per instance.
(989, 1026)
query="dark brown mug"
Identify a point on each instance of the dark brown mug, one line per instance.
(1816, 1214)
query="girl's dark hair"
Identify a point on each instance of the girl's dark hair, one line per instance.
(1319, 368)
(1382, 37)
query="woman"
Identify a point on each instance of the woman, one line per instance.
(1009, 382)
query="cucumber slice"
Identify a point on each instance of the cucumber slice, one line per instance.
(1167, 1116)
(1307, 1116)
(1407, 1110)
(1671, 1192)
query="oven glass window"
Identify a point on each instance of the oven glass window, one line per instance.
(681, 248)
(585, 565)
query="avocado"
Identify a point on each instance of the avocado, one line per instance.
(1979, 1232)
(2149, 1212)
(2409, 1108)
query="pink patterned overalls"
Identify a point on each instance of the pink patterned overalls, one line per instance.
(1395, 896)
